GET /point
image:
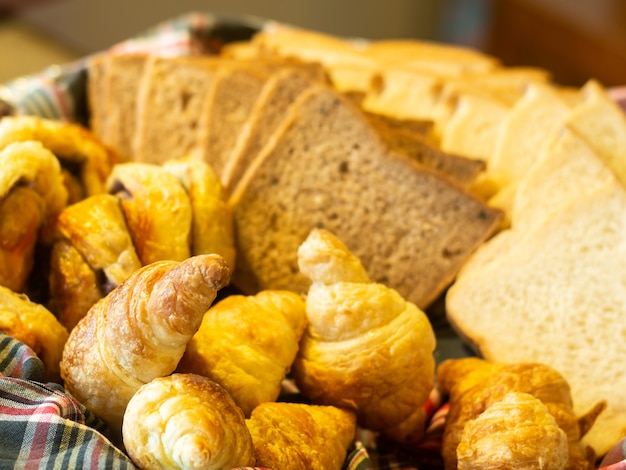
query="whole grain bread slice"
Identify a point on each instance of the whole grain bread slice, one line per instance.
(279, 93)
(236, 90)
(123, 75)
(173, 97)
(329, 168)
(458, 169)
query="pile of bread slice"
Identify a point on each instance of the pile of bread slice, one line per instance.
(308, 130)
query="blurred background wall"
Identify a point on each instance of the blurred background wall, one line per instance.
(574, 39)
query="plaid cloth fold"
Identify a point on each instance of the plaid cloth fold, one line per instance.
(42, 427)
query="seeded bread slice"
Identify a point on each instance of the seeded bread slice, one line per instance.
(329, 168)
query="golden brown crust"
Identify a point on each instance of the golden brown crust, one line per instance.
(35, 326)
(212, 225)
(474, 385)
(139, 332)
(247, 344)
(186, 421)
(157, 210)
(365, 348)
(300, 436)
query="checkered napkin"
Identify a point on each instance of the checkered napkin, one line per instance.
(42, 427)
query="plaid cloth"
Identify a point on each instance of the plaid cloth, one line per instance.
(42, 427)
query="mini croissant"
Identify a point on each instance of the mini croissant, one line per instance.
(247, 344)
(513, 415)
(138, 332)
(186, 421)
(365, 348)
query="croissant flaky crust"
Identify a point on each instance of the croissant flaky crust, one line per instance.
(299, 436)
(365, 348)
(247, 344)
(186, 421)
(509, 416)
(139, 332)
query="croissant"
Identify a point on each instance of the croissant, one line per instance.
(139, 332)
(247, 344)
(157, 210)
(186, 421)
(96, 229)
(212, 226)
(85, 160)
(34, 325)
(504, 392)
(300, 436)
(365, 348)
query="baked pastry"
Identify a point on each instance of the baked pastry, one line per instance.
(186, 421)
(97, 229)
(365, 347)
(74, 287)
(34, 325)
(525, 435)
(212, 229)
(247, 344)
(156, 208)
(516, 432)
(347, 181)
(139, 332)
(86, 161)
(32, 195)
(301, 436)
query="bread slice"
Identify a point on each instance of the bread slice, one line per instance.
(557, 297)
(280, 91)
(171, 107)
(602, 123)
(96, 92)
(236, 90)
(458, 169)
(123, 75)
(329, 168)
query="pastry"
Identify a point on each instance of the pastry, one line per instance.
(157, 210)
(35, 326)
(139, 332)
(186, 421)
(300, 436)
(212, 228)
(504, 391)
(247, 344)
(365, 347)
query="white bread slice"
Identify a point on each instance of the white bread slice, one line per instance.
(329, 168)
(568, 170)
(602, 122)
(531, 122)
(558, 298)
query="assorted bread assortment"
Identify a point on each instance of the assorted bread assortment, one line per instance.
(286, 212)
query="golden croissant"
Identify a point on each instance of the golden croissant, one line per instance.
(511, 416)
(298, 436)
(247, 344)
(86, 162)
(365, 348)
(32, 195)
(186, 421)
(35, 326)
(139, 332)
